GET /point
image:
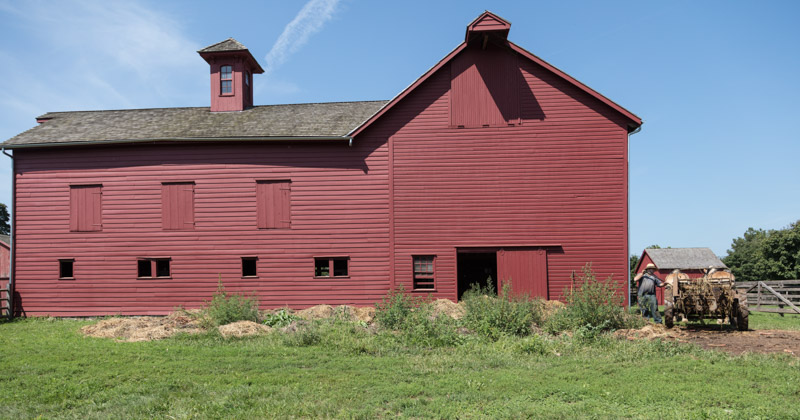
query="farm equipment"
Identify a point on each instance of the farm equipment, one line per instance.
(712, 296)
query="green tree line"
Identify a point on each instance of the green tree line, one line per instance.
(766, 254)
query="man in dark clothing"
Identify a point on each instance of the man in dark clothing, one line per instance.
(646, 293)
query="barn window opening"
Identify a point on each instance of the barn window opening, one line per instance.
(226, 79)
(249, 267)
(423, 272)
(146, 267)
(476, 269)
(338, 266)
(65, 269)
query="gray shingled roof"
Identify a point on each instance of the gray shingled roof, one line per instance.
(229, 44)
(5, 239)
(335, 119)
(684, 258)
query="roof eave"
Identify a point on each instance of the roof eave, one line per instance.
(181, 140)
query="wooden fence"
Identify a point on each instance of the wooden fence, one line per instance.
(781, 296)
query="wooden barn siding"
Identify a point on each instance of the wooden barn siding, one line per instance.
(339, 207)
(559, 178)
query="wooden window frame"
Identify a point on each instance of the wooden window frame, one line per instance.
(425, 277)
(331, 270)
(71, 261)
(250, 276)
(154, 268)
(222, 80)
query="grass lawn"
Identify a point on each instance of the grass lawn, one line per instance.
(50, 370)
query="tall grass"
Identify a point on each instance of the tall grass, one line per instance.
(224, 308)
(494, 316)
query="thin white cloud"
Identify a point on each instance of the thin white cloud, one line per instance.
(309, 20)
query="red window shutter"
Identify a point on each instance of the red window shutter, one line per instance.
(86, 211)
(177, 206)
(273, 204)
(484, 88)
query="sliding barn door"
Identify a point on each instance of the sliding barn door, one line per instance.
(526, 269)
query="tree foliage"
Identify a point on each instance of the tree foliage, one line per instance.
(766, 254)
(5, 228)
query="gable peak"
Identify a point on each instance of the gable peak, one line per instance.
(488, 23)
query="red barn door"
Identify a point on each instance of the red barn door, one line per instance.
(526, 269)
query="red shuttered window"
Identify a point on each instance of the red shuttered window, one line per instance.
(85, 208)
(177, 205)
(273, 204)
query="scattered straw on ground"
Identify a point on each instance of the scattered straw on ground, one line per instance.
(649, 331)
(552, 306)
(243, 329)
(353, 313)
(143, 328)
(449, 308)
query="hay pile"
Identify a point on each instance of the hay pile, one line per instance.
(352, 313)
(243, 329)
(552, 306)
(649, 332)
(144, 328)
(449, 308)
(316, 312)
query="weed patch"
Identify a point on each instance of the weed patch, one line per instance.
(494, 316)
(225, 308)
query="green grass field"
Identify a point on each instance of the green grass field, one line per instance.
(49, 370)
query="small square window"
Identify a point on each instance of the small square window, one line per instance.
(162, 268)
(249, 267)
(340, 267)
(145, 268)
(322, 267)
(423, 272)
(65, 269)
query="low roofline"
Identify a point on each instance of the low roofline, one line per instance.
(180, 140)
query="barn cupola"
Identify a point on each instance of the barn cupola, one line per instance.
(232, 70)
(487, 26)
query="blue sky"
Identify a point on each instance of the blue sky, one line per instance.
(716, 82)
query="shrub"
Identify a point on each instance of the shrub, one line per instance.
(494, 316)
(225, 308)
(421, 328)
(305, 335)
(591, 304)
(394, 308)
(280, 318)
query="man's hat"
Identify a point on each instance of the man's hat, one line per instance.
(649, 266)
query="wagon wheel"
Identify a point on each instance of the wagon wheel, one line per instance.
(742, 316)
(669, 320)
(734, 314)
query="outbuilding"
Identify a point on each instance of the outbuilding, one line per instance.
(694, 262)
(493, 167)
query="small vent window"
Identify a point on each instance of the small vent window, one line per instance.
(423, 272)
(226, 79)
(146, 267)
(338, 266)
(65, 269)
(249, 267)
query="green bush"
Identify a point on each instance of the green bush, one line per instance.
(224, 308)
(394, 308)
(280, 318)
(305, 335)
(421, 329)
(494, 316)
(593, 305)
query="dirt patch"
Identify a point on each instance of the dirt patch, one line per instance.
(243, 329)
(449, 308)
(144, 328)
(722, 338)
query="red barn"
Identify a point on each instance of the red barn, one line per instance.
(494, 166)
(691, 261)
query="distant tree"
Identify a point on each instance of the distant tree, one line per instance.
(766, 254)
(5, 228)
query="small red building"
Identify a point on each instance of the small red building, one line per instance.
(5, 259)
(691, 261)
(494, 166)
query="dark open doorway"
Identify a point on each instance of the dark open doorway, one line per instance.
(476, 268)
